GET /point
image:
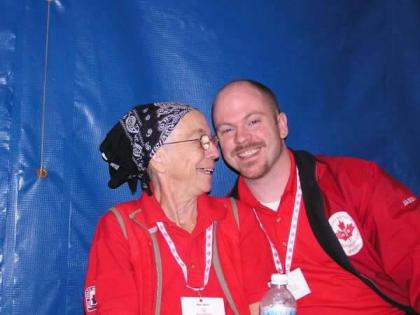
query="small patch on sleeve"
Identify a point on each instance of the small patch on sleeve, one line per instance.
(90, 299)
(408, 201)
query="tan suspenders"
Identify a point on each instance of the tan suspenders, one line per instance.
(158, 261)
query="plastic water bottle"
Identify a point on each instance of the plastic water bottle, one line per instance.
(278, 300)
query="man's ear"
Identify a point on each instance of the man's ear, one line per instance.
(282, 125)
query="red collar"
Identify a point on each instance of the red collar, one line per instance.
(209, 210)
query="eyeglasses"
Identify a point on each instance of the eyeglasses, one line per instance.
(205, 141)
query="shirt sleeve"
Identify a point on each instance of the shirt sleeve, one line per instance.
(110, 286)
(256, 258)
(396, 215)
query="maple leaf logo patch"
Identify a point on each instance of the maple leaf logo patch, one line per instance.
(347, 233)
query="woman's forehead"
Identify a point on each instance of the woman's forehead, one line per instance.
(191, 124)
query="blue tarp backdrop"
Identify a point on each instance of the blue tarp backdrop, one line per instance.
(347, 73)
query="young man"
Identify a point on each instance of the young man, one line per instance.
(346, 233)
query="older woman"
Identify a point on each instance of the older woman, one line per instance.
(175, 250)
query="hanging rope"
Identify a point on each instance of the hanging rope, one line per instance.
(42, 170)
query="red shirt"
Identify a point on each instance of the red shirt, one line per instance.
(190, 248)
(122, 269)
(334, 291)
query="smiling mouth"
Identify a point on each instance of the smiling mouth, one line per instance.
(248, 153)
(248, 150)
(205, 170)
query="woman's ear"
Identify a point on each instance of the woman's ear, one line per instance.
(157, 163)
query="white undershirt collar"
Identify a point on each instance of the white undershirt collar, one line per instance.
(272, 205)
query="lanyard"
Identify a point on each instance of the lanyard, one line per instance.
(292, 232)
(178, 259)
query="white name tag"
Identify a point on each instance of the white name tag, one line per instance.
(297, 284)
(202, 306)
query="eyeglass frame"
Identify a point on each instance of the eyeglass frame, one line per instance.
(205, 141)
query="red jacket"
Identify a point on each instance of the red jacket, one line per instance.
(122, 277)
(386, 256)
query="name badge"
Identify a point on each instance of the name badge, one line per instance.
(202, 306)
(297, 284)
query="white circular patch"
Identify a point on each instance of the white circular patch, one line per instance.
(347, 233)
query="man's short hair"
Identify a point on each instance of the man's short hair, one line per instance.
(263, 89)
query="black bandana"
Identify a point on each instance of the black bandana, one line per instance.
(134, 140)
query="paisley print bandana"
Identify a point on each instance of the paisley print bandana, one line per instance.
(134, 140)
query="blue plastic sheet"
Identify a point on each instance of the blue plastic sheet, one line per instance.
(346, 73)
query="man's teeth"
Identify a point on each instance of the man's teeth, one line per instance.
(247, 153)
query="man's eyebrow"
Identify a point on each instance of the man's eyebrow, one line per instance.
(254, 113)
(243, 118)
(223, 124)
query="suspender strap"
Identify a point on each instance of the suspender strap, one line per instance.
(158, 261)
(120, 222)
(219, 273)
(235, 210)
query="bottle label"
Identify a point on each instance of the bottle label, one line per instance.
(278, 310)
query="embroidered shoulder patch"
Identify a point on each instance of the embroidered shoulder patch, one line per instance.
(346, 232)
(409, 201)
(90, 300)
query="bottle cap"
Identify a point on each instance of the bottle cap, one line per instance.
(278, 278)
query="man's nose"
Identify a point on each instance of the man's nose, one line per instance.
(241, 135)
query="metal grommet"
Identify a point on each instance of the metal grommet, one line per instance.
(42, 172)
